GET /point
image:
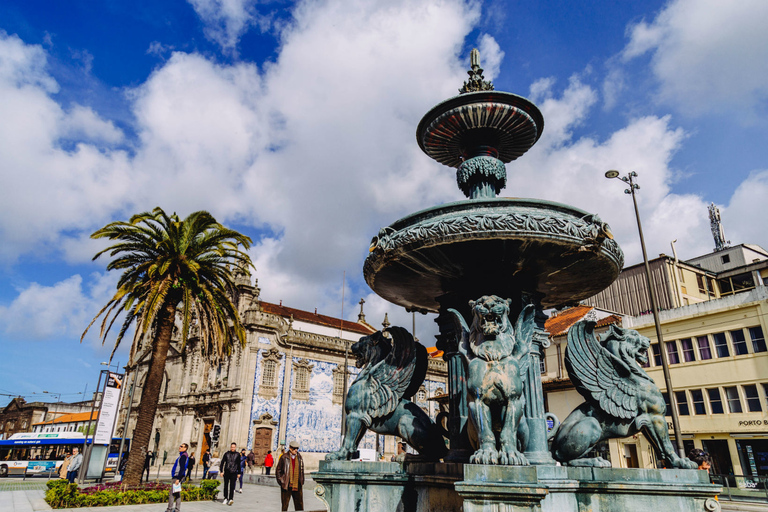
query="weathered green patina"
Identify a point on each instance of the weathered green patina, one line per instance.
(622, 399)
(497, 357)
(393, 367)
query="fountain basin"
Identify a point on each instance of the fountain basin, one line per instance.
(496, 246)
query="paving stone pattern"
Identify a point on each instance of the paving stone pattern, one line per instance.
(254, 497)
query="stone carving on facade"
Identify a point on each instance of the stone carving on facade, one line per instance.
(301, 374)
(621, 399)
(498, 361)
(265, 420)
(271, 361)
(393, 368)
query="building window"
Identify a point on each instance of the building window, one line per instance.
(682, 403)
(301, 373)
(765, 393)
(725, 258)
(734, 403)
(715, 402)
(270, 360)
(421, 394)
(739, 343)
(697, 397)
(700, 281)
(753, 399)
(672, 355)
(668, 411)
(656, 354)
(721, 344)
(270, 373)
(338, 385)
(704, 350)
(758, 339)
(688, 353)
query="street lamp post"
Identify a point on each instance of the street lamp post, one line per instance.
(629, 179)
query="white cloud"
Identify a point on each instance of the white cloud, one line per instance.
(227, 20)
(61, 310)
(744, 217)
(491, 56)
(317, 146)
(708, 55)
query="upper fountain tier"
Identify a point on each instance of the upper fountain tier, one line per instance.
(446, 255)
(479, 131)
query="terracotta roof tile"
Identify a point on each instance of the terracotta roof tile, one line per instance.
(559, 325)
(70, 418)
(613, 319)
(314, 318)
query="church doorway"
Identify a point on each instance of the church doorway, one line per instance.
(262, 442)
(207, 427)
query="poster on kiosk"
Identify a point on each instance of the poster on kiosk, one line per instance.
(105, 425)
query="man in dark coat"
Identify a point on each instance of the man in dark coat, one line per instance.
(206, 462)
(230, 468)
(290, 476)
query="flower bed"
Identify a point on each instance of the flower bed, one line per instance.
(61, 494)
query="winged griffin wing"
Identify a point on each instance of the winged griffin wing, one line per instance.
(524, 328)
(389, 379)
(599, 376)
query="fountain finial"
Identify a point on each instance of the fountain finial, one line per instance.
(476, 80)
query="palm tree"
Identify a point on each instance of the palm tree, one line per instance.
(171, 265)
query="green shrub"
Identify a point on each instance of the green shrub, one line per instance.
(60, 494)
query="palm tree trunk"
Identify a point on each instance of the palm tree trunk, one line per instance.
(151, 392)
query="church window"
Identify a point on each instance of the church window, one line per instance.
(270, 362)
(301, 372)
(421, 394)
(269, 373)
(338, 385)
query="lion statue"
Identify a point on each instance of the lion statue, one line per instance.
(393, 367)
(498, 360)
(622, 399)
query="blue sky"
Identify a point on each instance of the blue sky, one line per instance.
(294, 122)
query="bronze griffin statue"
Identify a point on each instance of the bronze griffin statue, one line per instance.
(498, 360)
(622, 399)
(393, 367)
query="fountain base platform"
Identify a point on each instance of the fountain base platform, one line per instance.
(452, 487)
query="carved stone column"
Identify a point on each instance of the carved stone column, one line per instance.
(458, 412)
(536, 451)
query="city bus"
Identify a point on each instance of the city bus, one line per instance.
(41, 453)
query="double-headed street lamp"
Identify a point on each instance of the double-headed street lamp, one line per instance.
(629, 179)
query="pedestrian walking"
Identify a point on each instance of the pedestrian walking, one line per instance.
(206, 462)
(290, 475)
(190, 466)
(74, 465)
(213, 471)
(269, 461)
(147, 463)
(243, 462)
(123, 465)
(251, 460)
(178, 473)
(230, 469)
(64, 466)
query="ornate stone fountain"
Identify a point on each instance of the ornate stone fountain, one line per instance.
(489, 262)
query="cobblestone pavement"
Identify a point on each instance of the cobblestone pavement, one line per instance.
(255, 497)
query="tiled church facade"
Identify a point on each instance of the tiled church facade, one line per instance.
(287, 383)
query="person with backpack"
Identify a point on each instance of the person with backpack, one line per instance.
(178, 473)
(230, 468)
